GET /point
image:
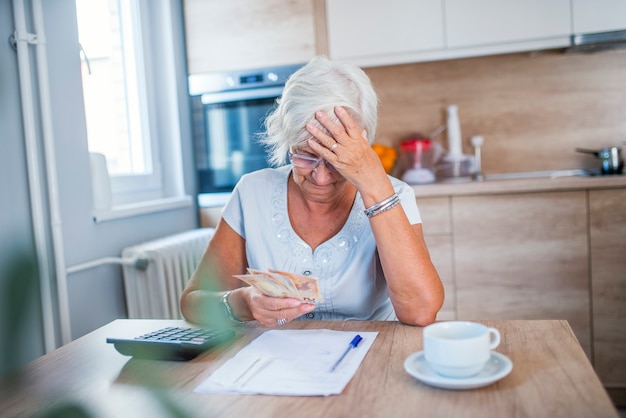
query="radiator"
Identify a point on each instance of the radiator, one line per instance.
(154, 290)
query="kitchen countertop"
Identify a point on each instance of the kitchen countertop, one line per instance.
(464, 186)
(494, 184)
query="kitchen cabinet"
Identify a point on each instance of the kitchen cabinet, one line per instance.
(361, 28)
(590, 16)
(537, 249)
(248, 34)
(376, 32)
(436, 220)
(523, 256)
(484, 22)
(607, 225)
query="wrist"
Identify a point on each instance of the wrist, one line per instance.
(228, 308)
(376, 193)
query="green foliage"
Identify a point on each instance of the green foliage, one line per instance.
(65, 410)
(19, 291)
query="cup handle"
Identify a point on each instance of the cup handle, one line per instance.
(495, 338)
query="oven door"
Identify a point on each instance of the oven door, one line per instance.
(226, 131)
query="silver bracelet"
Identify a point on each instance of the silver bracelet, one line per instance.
(229, 310)
(381, 203)
(382, 206)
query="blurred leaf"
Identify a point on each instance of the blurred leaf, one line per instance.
(67, 410)
(212, 311)
(170, 406)
(18, 291)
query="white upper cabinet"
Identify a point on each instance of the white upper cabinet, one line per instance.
(372, 28)
(487, 22)
(590, 16)
(386, 32)
(248, 34)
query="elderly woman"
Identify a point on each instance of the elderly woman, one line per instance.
(333, 213)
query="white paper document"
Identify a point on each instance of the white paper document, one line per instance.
(291, 363)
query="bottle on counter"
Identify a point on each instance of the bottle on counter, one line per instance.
(456, 163)
(455, 150)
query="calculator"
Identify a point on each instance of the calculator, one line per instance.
(172, 343)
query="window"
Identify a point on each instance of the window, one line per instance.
(130, 96)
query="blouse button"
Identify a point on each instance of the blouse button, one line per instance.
(310, 315)
(306, 272)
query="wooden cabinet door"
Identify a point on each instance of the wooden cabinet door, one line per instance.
(590, 16)
(370, 28)
(225, 35)
(436, 222)
(523, 256)
(485, 22)
(607, 214)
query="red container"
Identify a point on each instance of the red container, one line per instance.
(416, 154)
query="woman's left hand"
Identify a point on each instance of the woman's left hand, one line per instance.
(347, 149)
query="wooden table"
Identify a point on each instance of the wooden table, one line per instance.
(551, 377)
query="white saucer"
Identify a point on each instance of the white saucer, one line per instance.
(496, 368)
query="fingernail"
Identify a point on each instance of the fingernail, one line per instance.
(319, 114)
(310, 127)
(307, 307)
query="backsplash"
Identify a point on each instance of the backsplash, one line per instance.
(533, 109)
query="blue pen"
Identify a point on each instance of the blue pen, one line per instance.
(353, 344)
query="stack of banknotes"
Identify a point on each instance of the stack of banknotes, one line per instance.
(281, 284)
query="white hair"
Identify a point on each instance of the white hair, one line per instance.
(320, 85)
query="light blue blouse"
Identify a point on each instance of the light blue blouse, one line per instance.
(350, 277)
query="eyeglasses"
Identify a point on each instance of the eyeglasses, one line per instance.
(308, 162)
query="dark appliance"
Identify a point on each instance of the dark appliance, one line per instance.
(611, 158)
(229, 110)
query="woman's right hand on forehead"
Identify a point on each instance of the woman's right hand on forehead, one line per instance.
(345, 146)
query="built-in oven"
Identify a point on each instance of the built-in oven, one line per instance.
(229, 111)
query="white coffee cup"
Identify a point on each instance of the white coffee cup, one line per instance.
(459, 348)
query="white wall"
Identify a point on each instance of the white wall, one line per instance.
(16, 231)
(96, 296)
